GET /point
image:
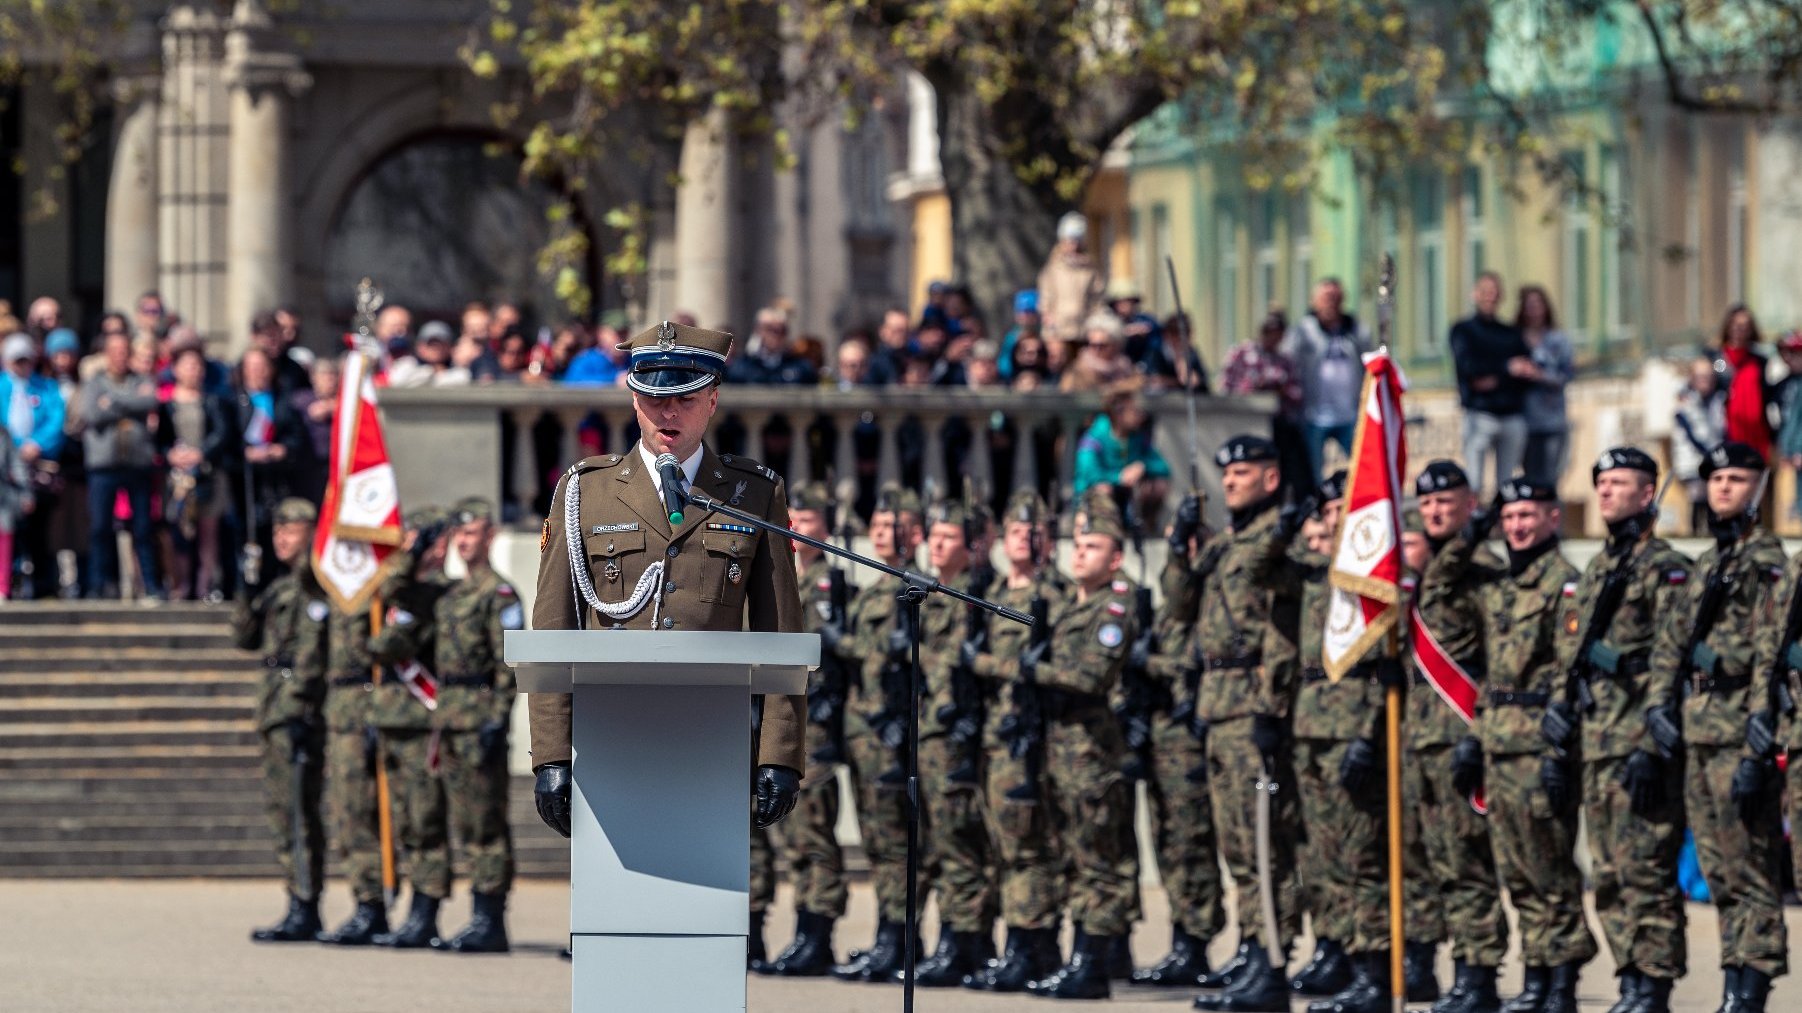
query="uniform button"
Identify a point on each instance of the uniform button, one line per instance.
(369, 687)
(673, 550)
(287, 673)
(670, 587)
(669, 623)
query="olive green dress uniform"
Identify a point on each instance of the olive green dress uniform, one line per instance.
(1741, 864)
(1534, 843)
(286, 624)
(809, 837)
(1633, 857)
(1181, 808)
(1458, 883)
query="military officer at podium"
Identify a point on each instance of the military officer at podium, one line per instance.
(611, 559)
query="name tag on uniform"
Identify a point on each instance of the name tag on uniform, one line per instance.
(608, 529)
(737, 529)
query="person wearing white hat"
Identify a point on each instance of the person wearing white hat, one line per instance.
(1070, 286)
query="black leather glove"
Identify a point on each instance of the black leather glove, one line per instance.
(1559, 725)
(776, 791)
(1554, 777)
(1140, 656)
(831, 635)
(551, 793)
(492, 737)
(900, 645)
(1136, 729)
(1267, 736)
(1358, 766)
(1761, 734)
(1030, 658)
(1483, 521)
(1643, 778)
(371, 740)
(1666, 729)
(965, 728)
(1467, 767)
(968, 652)
(891, 731)
(823, 708)
(1186, 523)
(300, 740)
(1290, 518)
(1749, 782)
(1390, 673)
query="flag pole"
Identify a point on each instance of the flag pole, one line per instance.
(384, 814)
(1392, 716)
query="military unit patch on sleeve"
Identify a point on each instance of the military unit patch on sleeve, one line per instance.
(1115, 608)
(1111, 635)
(1676, 575)
(513, 617)
(1122, 587)
(317, 610)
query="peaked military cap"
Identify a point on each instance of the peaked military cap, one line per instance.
(1624, 457)
(1441, 476)
(1027, 507)
(891, 498)
(1521, 489)
(420, 518)
(470, 509)
(669, 359)
(1731, 454)
(1333, 488)
(810, 496)
(294, 510)
(1245, 448)
(1098, 514)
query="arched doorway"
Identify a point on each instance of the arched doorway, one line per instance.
(442, 220)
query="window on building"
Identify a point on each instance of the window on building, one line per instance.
(1578, 267)
(1156, 255)
(1473, 205)
(1264, 258)
(1301, 253)
(1618, 263)
(1429, 256)
(1226, 287)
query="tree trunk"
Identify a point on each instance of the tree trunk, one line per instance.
(1002, 228)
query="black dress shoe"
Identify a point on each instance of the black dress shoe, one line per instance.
(1536, 985)
(1186, 962)
(810, 954)
(301, 924)
(1327, 972)
(420, 928)
(1222, 977)
(486, 931)
(360, 929)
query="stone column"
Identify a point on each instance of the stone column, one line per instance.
(703, 250)
(259, 245)
(131, 195)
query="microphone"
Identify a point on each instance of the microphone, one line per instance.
(671, 472)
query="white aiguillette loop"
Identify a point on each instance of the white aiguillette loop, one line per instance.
(584, 581)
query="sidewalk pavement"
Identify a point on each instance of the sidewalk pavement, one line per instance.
(182, 945)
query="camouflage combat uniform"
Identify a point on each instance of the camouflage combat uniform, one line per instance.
(1182, 811)
(1633, 857)
(411, 752)
(809, 837)
(962, 856)
(1767, 666)
(1534, 843)
(1741, 864)
(286, 623)
(350, 755)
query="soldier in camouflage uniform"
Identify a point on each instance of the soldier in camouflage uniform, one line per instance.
(286, 624)
(1459, 876)
(1030, 864)
(1632, 801)
(412, 753)
(1247, 685)
(878, 644)
(1531, 791)
(1181, 810)
(1074, 674)
(809, 838)
(957, 544)
(1701, 704)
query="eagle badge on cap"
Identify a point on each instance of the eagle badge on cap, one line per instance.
(1606, 461)
(666, 336)
(1720, 457)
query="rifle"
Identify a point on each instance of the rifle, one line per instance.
(1789, 659)
(1024, 729)
(1142, 697)
(967, 711)
(897, 689)
(826, 702)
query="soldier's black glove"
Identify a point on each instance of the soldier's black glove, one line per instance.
(1559, 725)
(1483, 522)
(968, 652)
(831, 635)
(1139, 658)
(890, 731)
(823, 708)
(1358, 766)
(1198, 730)
(551, 793)
(1135, 727)
(1467, 767)
(1749, 782)
(1662, 723)
(1289, 520)
(300, 740)
(1186, 523)
(900, 645)
(1643, 778)
(1389, 673)
(777, 789)
(965, 728)
(371, 740)
(1761, 734)
(1267, 736)
(1030, 658)
(492, 738)
(1554, 777)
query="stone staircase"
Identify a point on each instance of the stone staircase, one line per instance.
(126, 748)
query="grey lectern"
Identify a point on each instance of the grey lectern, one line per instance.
(661, 812)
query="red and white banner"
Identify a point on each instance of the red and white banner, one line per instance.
(1366, 570)
(420, 682)
(360, 520)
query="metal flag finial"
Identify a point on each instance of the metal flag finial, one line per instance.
(369, 303)
(1385, 298)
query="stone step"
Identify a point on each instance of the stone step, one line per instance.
(174, 733)
(231, 683)
(100, 823)
(122, 659)
(71, 613)
(231, 799)
(81, 711)
(100, 638)
(171, 761)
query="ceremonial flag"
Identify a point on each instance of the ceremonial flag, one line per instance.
(1366, 570)
(360, 520)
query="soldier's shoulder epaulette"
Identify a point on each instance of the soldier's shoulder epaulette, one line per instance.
(742, 463)
(596, 463)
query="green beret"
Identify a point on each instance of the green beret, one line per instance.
(470, 509)
(295, 510)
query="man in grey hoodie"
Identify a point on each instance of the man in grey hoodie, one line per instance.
(117, 405)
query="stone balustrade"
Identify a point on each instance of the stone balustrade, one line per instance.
(509, 442)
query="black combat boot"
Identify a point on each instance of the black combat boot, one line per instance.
(1473, 991)
(360, 929)
(1084, 977)
(1536, 984)
(1561, 994)
(1418, 975)
(1631, 982)
(880, 961)
(970, 952)
(300, 925)
(1030, 954)
(487, 928)
(1223, 976)
(1264, 988)
(1327, 972)
(754, 950)
(940, 953)
(1366, 993)
(1186, 961)
(983, 978)
(420, 928)
(1751, 987)
(1120, 959)
(1654, 996)
(810, 954)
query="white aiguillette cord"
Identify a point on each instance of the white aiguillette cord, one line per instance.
(584, 581)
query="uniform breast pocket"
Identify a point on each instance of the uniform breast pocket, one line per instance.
(616, 560)
(727, 561)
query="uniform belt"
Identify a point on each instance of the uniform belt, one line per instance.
(466, 680)
(1315, 674)
(351, 680)
(1721, 683)
(1635, 664)
(1509, 698)
(1063, 704)
(1229, 663)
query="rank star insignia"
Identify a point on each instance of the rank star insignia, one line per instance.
(611, 571)
(734, 573)
(666, 337)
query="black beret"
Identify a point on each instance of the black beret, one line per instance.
(1732, 455)
(1521, 489)
(1624, 457)
(1441, 476)
(1333, 488)
(1245, 448)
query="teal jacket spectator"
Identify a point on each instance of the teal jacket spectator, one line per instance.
(1101, 454)
(45, 402)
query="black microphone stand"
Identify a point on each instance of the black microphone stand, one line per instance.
(914, 589)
